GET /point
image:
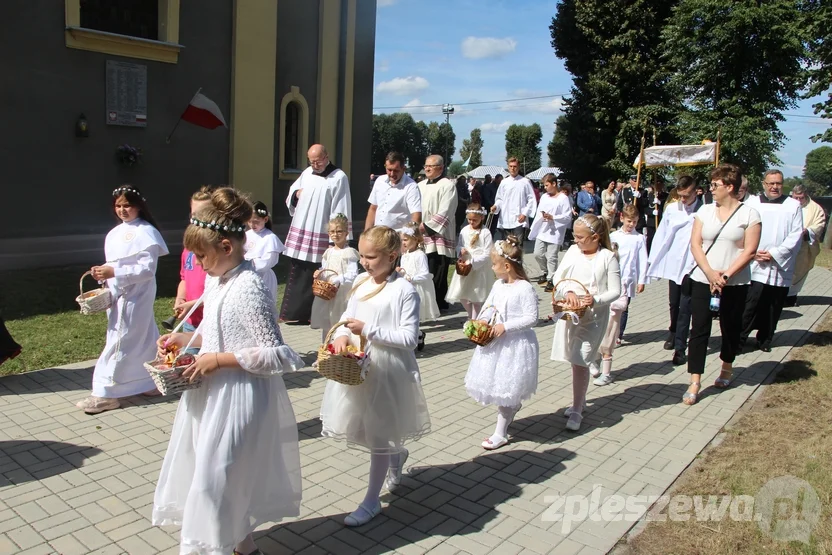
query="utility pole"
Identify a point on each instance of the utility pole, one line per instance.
(447, 109)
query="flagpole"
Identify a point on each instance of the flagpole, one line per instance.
(172, 131)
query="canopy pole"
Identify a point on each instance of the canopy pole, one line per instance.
(718, 144)
(640, 160)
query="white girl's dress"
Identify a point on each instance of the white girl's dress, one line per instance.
(474, 287)
(504, 372)
(233, 461)
(263, 248)
(344, 261)
(415, 266)
(389, 407)
(578, 343)
(132, 249)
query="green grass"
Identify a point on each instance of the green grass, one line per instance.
(41, 313)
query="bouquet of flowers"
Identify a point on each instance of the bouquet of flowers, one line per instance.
(129, 155)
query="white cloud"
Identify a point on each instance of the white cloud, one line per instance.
(403, 86)
(478, 48)
(415, 106)
(554, 106)
(495, 127)
(385, 3)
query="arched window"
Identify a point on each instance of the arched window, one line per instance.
(291, 141)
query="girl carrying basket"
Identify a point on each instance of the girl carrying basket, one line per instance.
(474, 249)
(389, 407)
(591, 262)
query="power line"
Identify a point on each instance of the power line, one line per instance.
(468, 103)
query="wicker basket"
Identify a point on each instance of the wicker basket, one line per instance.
(322, 288)
(170, 381)
(485, 337)
(560, 304)
(340, 368)
(462, 268)
(97, 300)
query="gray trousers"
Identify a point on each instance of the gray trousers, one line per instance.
(546, 255)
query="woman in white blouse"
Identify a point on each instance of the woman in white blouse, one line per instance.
(730, 232)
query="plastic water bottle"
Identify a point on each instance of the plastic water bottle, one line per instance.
(715, 297)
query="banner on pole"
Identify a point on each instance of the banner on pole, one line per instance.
(679, 155)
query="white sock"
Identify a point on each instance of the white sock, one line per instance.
(606, 366)
(505, 415)
(475, 309)
(378, 472)
(580, 383)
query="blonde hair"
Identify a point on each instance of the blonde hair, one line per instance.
(229, 208)
(417, 233)
(339, 219)
(596, 226)
(512, 247)
(386, 240)
(630, 212)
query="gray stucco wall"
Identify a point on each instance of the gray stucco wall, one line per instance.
(362, 117)
(56, 184)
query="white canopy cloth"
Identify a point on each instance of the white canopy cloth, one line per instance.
(538, 174)
(482, 171)
(679, 155)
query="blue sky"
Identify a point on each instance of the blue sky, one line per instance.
(430, 52)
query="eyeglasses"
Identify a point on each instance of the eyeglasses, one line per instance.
(317, 162)
(433, 165)
(778, 183)
(337, 232)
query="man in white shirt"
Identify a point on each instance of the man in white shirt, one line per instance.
(515, 202)
(395, 198)
(772, 270)
(440, 200)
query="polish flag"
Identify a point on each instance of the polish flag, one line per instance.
(204, 112)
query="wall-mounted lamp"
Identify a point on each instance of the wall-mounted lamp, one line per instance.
(82, 127)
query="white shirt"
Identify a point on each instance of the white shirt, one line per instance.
(781, 236)
(395, 202)
(729, 244)
(552, 231)
(515, 196)
(632, 260)
(670, 256)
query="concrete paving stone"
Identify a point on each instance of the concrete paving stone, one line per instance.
(69, 545)
(25, 536)
(40, 549)
(92, 538)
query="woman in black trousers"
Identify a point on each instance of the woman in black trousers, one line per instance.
(724, 240)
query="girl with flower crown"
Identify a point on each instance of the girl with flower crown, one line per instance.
(263, 247)
(132, 250)
(473, 248)
(504, 372)
(592, 262)
(414, 268)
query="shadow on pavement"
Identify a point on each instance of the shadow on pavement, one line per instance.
(32, 460)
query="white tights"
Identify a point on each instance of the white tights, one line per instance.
(505, 416)
(472, 309)
(379, 464)
(580, 383)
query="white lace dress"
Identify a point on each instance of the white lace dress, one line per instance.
(504, 372)
(415, 267)
(344, 261)
(233, 461)
(476, 285)
(389, 407)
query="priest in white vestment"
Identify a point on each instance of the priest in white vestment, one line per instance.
(671, 259)
(814, 222)
(439, 202)
(515, 202)
(772, 269)
(320, 193)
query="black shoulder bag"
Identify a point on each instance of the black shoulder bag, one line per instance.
(687, 282)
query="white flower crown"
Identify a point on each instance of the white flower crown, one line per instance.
(118, 191)
(481, 211)
(233, 228)
(586, 223)
(498, 246)
(407, 231)
(262, 212)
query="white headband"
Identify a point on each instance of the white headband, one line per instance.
(120, 190)
(586, 223)
(407, 231)
(213, 225)
(262, 212)
(498, 246)
(481, 211)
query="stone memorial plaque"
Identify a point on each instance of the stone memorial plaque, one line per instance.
(126, 94)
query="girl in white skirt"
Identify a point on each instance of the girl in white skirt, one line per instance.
(342, 259)
(263, 247)
(504, 372)
(389, 407)
(592, 262)
(414, 268)
(474, 249)
(233, 462)
(631, 250)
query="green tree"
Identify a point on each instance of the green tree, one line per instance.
(611, 48)
(818, 25)
(818, 170)
(455, 168)
(397, 132)
(736, 65)
(523, 143)
(438, 138)
(472, 147)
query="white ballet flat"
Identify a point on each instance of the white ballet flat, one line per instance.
(489, 446)
(362, 515)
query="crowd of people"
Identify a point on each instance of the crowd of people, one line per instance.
(233, 461)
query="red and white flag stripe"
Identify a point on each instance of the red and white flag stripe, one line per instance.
(204, 112)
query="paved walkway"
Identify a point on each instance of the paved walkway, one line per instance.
(72, 483)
